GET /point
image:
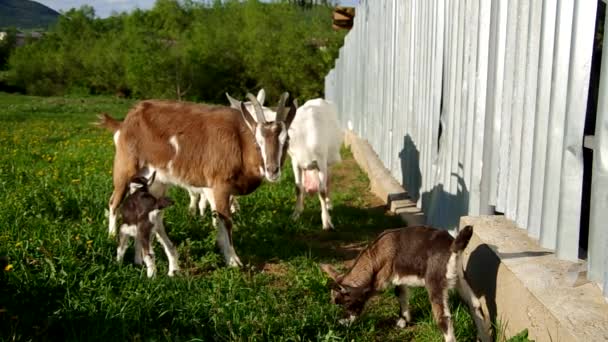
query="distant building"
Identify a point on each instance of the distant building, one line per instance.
(21, 37)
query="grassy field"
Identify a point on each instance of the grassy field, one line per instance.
(63, 283)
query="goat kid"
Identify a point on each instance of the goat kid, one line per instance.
(214, 150)
(141, 220)
(315, 138)
(410, 257)
(201, 199)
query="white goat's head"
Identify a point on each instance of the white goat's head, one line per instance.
(270, 136)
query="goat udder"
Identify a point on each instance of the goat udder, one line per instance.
(311, 181)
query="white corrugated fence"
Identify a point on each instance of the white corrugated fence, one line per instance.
(478, 106)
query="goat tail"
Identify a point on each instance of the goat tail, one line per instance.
(108, 122)
(462, 240)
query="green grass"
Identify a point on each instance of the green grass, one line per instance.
(62, 282)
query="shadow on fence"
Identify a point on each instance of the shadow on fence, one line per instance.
(410, 168)
(442, 207)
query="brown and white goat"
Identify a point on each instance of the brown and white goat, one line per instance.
(218, 149)
(410, 257)
(140, 215)
(199, 200)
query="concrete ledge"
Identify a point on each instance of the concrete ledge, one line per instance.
(521, 285)
(382, 182)
(527, 287)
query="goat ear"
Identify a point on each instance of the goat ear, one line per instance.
(234, 103)
(347, 289)
(152, 177)
(330, 271)
(249, 120)
(134, 186)
(261, 96)
(292, 113)
(366, 290)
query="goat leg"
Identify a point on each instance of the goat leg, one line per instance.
(144, 232)
(223, 222)
(467, 294)
(325, 217)
(122, 243)
(194, 201)
(401, 291)
(297, 175)
(441, 313)
(168, 246)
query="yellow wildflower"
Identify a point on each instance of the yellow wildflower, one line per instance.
(8, 267)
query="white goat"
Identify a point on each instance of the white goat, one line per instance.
(315, 137)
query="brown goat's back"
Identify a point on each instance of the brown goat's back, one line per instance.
(190, 135)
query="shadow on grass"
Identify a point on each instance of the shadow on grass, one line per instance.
(354, 228)
(26, 310)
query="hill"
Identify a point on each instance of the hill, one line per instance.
(26, 14)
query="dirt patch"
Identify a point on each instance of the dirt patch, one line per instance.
(348, 175)
(274, 269)
(368, 215)
(278, 272)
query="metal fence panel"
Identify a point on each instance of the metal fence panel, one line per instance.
(557, 114)
(531, 85)
(497, 72)
(598, 235)
(541, 122)
(521, 43)
(507, 98)
(479, 200)
(571, 182)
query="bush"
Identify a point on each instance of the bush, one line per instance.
(182, 49)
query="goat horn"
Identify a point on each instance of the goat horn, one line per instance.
(281, 107)
(259, 112)
(234, 103)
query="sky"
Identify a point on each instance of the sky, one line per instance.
(104, 8)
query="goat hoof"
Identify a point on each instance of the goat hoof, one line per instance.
(329, 227)
(347, 321)
(295, 216)
(234, 262)
(234, 208)
(401, 323)
(192, 211)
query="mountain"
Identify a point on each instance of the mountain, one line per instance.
(26, 14)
